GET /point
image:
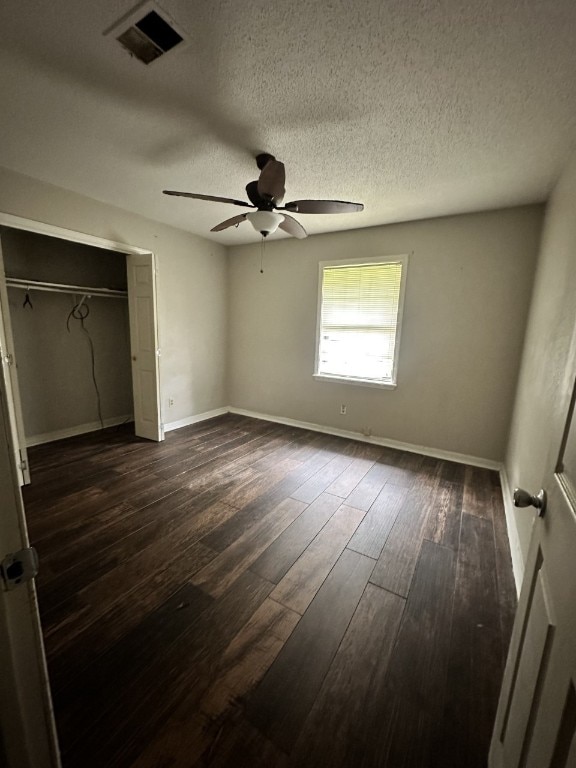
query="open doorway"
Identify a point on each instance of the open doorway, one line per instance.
(76, 375)
(72, 348)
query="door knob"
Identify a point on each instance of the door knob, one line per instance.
(523, 499)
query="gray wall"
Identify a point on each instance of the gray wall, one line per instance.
(468, 288)
(548, 336)
(28, 255)
(54, 365)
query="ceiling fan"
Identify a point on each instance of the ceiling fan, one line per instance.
(266, 195)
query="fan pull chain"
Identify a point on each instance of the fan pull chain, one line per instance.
(262, 255)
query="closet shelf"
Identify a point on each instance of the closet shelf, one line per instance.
(38, 285)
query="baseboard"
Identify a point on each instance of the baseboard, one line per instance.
(195, 419)
(81, 429)
(436, 453)
(513, 538)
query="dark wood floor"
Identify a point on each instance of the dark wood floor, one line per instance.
(249, 594)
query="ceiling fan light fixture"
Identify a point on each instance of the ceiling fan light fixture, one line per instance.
(265, 222)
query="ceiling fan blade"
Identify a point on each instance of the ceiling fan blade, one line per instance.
(208, 197)
(271, 181)
(234, 221)
(293, 227)
(323, 206)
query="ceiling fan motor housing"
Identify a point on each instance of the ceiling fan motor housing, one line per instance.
(262, 203)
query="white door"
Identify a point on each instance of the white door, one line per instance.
(10, 376)
(144, 346)
(536, 719)
(27, 730)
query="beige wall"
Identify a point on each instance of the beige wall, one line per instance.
(548, 335)
(468, 290)
(192, 299)
(467, 296)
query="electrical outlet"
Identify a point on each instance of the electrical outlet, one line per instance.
(170, 402)
(343, 410)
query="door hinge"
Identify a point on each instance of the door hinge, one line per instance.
(19, 567)
(8, 359)
(22, 464)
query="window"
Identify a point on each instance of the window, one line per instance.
(359, 316)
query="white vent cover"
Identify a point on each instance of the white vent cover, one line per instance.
(147, 32)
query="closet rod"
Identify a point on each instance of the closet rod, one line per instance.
(37, 285)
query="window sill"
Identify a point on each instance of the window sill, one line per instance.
(358, 382)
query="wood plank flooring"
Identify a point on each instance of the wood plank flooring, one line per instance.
(251, 594)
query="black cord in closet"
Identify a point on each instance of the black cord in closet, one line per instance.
(80, 312)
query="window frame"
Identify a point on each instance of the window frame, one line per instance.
(391, 383)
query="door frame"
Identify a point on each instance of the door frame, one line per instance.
(11, 380)
(131, 251)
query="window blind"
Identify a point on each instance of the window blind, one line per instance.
(358, 323)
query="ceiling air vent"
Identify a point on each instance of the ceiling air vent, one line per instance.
(147, 32)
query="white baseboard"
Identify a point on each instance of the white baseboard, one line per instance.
(195, 419)
(81, 429)
(436, 453)
(513, 538)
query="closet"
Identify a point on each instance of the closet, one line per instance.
(69, 318)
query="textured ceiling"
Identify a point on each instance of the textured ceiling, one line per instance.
(417, 108)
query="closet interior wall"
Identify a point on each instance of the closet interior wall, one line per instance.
(53, 351)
